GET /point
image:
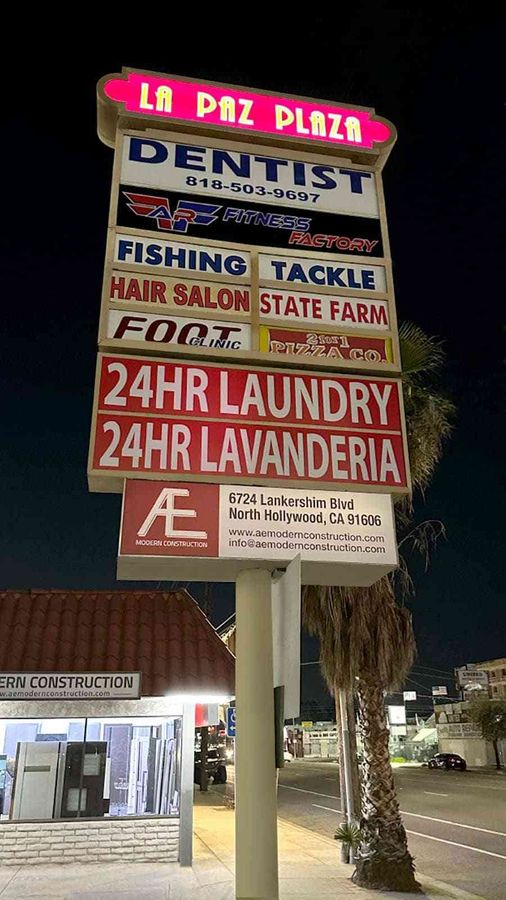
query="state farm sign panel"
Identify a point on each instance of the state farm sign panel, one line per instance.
(171, 531)
(233, 172)
(170, 419)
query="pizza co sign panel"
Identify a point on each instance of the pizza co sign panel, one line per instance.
(187, 527)
(166, 98)
(179, 419)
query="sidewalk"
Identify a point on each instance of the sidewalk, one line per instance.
(310, 869)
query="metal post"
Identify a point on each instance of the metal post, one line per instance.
(255, 779)
(348, 778)
(186, 800)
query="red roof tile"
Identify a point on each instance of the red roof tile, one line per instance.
(166, 636)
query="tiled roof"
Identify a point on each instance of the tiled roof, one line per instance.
(166, 636)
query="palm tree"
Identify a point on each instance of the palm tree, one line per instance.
(366, 636)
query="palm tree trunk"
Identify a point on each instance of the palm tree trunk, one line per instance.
(383, 861)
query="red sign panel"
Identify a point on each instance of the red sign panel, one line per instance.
(326, 345)
(177, 419)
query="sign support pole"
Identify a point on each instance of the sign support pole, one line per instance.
(255, 780)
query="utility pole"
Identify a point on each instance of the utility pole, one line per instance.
(348, 777)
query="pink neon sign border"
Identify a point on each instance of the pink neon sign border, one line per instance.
(183, 107)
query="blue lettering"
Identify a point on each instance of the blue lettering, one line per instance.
(368, 279)
(188, 158)
(355, 179)
(124, 249)
(271, 166)
(223, 157)
(297, 273)
(314, 272)
(175, 256)
(235, 265)
(137, 145)
(352, 281)
(299, 173)
(153, 254)
(278, 267)
(326, 182)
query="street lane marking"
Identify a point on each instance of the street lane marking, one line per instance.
(432, 819)
(430, 837)
(457, 824)
(304, 791)
(435, 794)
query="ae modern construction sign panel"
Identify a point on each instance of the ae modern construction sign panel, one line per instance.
(177, 529)
(175, 419)
(70, 685)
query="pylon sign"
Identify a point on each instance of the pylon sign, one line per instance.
(248, 331)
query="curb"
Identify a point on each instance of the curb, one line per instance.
(442, 889)
(436, 888)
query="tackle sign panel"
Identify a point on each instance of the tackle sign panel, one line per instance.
(170, 418)
(235, 174)
(345, 275)
(246, 222)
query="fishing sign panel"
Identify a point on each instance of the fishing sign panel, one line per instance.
(167, 419)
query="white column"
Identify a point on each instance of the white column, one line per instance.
(255, 772)
(186, 799)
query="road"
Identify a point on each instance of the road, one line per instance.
(456, 821)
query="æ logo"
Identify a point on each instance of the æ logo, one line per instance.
(186, 213)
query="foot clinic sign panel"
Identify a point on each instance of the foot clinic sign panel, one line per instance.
(194, 421)
(184, 529)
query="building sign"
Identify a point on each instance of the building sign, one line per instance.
(190, 258)
(230, 172)
(304, 272)
(70, 685)
(325, 345)
(440, 691)
(165, 97)
(246, 222)
(175, 294)
(147, 328)
(409, 695)
(184, 419)
(396, 715)
(325, 309)
(255, 524)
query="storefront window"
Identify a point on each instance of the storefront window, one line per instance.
(89, 768)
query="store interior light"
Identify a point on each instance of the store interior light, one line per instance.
(200, 698)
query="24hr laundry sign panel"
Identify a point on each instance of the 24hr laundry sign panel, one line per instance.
(167, 418)
(230, 171)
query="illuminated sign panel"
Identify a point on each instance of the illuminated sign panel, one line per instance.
(246, 222)
(175, 418)
(230, 172)
(163, 98)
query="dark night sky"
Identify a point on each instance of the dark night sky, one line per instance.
(438, 74)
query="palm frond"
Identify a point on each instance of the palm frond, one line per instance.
(419, 351)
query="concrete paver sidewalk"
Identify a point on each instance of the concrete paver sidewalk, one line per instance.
(310, 868)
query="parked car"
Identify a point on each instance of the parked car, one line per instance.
(447, 761)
